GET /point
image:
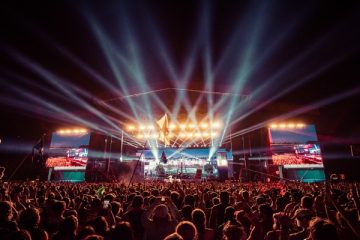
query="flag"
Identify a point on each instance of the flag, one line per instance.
(163, 157)
(39, 154)
(163, 124)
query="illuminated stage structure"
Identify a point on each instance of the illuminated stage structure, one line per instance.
(195, 143)
(181, 150)
(285, 150)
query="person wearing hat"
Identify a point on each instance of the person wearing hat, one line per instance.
(302, 217)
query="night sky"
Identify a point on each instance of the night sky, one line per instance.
(54, 49)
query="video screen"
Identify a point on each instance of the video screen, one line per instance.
(186, 163)
(68, 150)
(298, 146)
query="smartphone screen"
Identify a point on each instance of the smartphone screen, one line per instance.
(106, 203)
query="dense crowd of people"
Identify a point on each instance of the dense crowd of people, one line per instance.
(180, 210)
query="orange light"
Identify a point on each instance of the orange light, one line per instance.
(191, 125)
(205, 134)
(291, 125)
(172, 126)
(216, 124)
(214, 134)
(131, 127)
(182, 126)
(300, 125)
(274, 126)
(283, 125)
(204, 125)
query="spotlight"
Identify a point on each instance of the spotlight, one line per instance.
(189, 135)
(291, 125)
(182, 126)
(300, 125)
(214, 134)
(282, 125)
(61, 131)
(204, 125)
(68, 131)
(140, 136)
(216, 124)
(150, 127)
(172, 126)
(182, 135)
(191, 126)
(205, 134)
(142, 127)
(131, 127)
(273, 126)
(197, 134)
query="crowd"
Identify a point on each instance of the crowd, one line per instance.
(179, 210)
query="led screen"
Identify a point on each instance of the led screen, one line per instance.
(184, 163)
(68, 150)
(297, 146)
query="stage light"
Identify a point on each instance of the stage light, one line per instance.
(142, 127)
(131, 127)
(214, 134)
(68, 131)
(197, 134)
(82, 130)
(291, 125)
(171, 135)
(172, 126)
(282, 125)
(150, 127)
(300, 125)
(147, 136)
(182, 135)
(189, 135)
(76, 130)
(61, 131)
(205, 134)
(191, 126)
(140, 136)
(216, 124)
(155, 135)
(273, 126)
(182, 126)
(204, 125)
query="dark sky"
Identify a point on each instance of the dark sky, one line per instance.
(53, 49)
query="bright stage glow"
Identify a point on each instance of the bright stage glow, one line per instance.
(300, 125)
(73, 131)
(287, 125)
(131, 127)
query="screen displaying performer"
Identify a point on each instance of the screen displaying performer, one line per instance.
(68, 150)
(295, 146)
